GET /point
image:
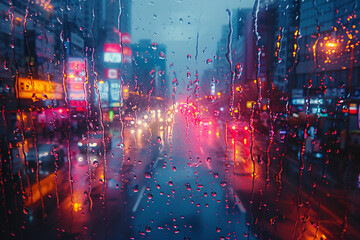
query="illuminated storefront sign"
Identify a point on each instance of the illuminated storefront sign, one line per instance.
(301, 101)
(353, 108)
(110, 73)
(39, 89)
(114, 93)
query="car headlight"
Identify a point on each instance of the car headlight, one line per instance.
(92, 144)
(139, 122)
(80, 144)
(43, 154)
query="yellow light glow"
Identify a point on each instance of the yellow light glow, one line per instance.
(126, 90)
(77, 207)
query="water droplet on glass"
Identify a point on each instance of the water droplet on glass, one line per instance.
(154, 45)
(223, 183)
(158, 139)
(188, 56)
(208, 61)
(96, 163)
(147, 175)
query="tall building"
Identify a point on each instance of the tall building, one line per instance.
(328, 67)
(286, 37)
(149, 69)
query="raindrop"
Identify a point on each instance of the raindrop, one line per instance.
(213, 194)
(162, 55)
(174, 168)
(209, 61)
(208, 159)
(216, 175)
(96, 163)
(148, 228)
(154, 45)
(218, 229)
(188, 187)
(188, 56)
(152, 73)
(158, 139)
(136, 188)
(150, 196)
(147, 175)
(223, 183)
(170, 183)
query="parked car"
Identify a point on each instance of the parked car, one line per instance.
(50, 156)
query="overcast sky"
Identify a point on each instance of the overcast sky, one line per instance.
(175, 23)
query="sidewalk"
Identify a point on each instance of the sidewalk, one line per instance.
(320, 215)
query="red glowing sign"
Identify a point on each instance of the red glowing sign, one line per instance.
(112, 47)
(110, 73)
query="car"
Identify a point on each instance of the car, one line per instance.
(239, 131)
(206, 126)
(95, 142)
(51, 156)
(95, 159)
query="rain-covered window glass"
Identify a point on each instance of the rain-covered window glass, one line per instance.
(179, 119)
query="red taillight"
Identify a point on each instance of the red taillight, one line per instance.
(245, 141)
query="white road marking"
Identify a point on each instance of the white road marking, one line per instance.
(156, 162)
(201, 150)
(238, 202)
(139, 199)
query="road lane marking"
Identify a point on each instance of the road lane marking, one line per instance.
(238, 202)
(156, 162)
(139, 199)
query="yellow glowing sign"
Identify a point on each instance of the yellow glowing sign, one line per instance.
(39, 89)
(249, 104)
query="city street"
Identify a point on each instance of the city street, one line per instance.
(184, 186)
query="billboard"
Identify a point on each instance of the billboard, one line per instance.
(112, 53)
(39, 89)
(103, 88)
(75, 79)
(114, 93)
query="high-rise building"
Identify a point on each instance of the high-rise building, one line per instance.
(149, 69)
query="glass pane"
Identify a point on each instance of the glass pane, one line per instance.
(179, 119)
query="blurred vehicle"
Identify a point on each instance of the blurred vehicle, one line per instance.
(92, 158)
(50, 155)
(95, 142)
(206, 126)
(239, 131)
(129, 120)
